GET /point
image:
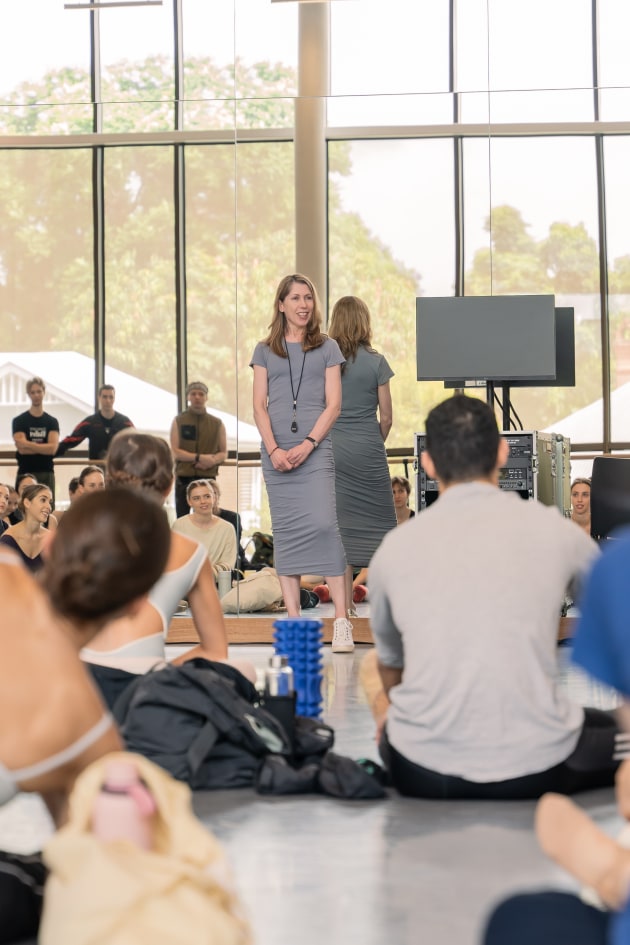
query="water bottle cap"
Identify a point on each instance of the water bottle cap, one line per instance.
(278, 661)
(120, 774)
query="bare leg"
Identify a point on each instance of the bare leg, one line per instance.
(290, 584)
(348, 580)
(337, 586)
(573, 840)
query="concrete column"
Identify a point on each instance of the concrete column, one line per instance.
(310, 146)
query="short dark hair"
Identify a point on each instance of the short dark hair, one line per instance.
(106, 387)
(403, 482)
(462, 439)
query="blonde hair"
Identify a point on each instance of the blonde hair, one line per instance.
(350, 326)
(313, 336)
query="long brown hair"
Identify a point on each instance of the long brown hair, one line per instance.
(350, 326)
(313, 336)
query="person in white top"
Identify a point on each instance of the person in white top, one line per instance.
(216, 535)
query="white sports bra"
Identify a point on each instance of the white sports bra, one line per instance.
(9, 780)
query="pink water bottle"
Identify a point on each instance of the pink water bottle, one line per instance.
(124, 808)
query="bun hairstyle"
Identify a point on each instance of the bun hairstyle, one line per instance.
(109, 549)
(140, 460)
(30, 492)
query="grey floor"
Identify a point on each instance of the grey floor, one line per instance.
(316, 871)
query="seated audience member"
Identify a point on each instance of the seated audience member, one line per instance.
(602, 648)
(401, 490)
(465, 604)
(4, 504)
(581, 504)
(135, 643)
(91, 479)
(13, 514)
(216, 535)
(102, 561)
(30, 536)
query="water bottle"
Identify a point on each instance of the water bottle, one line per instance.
(224, 582)
(279, 677)
(124, 808)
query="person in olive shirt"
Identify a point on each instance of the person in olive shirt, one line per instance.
(99, 427)
(199, 444)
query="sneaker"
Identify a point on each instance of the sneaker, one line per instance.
(323, 593)
(342, 636)
(352, 613)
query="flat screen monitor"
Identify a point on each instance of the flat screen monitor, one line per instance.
(610, 495)
(491, 338)
(565, 356)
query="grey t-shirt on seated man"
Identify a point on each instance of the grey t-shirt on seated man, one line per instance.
(467, 597)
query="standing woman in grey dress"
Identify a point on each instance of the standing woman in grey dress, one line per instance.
(297, 398)
(365, 506)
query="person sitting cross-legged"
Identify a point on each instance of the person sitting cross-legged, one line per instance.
(465, 605)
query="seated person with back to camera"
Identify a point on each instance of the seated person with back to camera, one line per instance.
(466, 600)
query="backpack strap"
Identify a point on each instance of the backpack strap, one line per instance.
(201, 747)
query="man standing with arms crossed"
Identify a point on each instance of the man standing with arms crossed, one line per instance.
(199, 444)
(99, 427)
(36, 437)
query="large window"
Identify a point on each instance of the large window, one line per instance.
(391, 223)
(470, 206)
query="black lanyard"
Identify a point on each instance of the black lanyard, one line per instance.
(294, 393)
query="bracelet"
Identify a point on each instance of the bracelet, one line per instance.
(196, 457)
(313, 441)
(273, 451)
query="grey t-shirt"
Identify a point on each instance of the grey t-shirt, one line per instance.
(467, 598)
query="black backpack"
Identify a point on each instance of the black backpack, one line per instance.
(201, 722)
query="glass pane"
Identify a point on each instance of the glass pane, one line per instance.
(138, 81)
(245, 196)
(391, 226)
(244, 49)
(614, 67)
(35, 72)
(140, 347)
(392, 48)
(46, 285)
(389, 52)
(539, 45)
(616, 155)
(540, 237)
(373, 110)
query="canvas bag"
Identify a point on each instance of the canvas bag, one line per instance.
(257, 591)
(117, 894)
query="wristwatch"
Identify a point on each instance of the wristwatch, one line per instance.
(313, 441)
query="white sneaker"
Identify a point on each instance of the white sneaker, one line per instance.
(352, 613)
(342, 636)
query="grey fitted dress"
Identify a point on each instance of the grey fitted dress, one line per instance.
(365, 506)
(306, 536)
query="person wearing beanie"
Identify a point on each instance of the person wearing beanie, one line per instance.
(199, 444)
